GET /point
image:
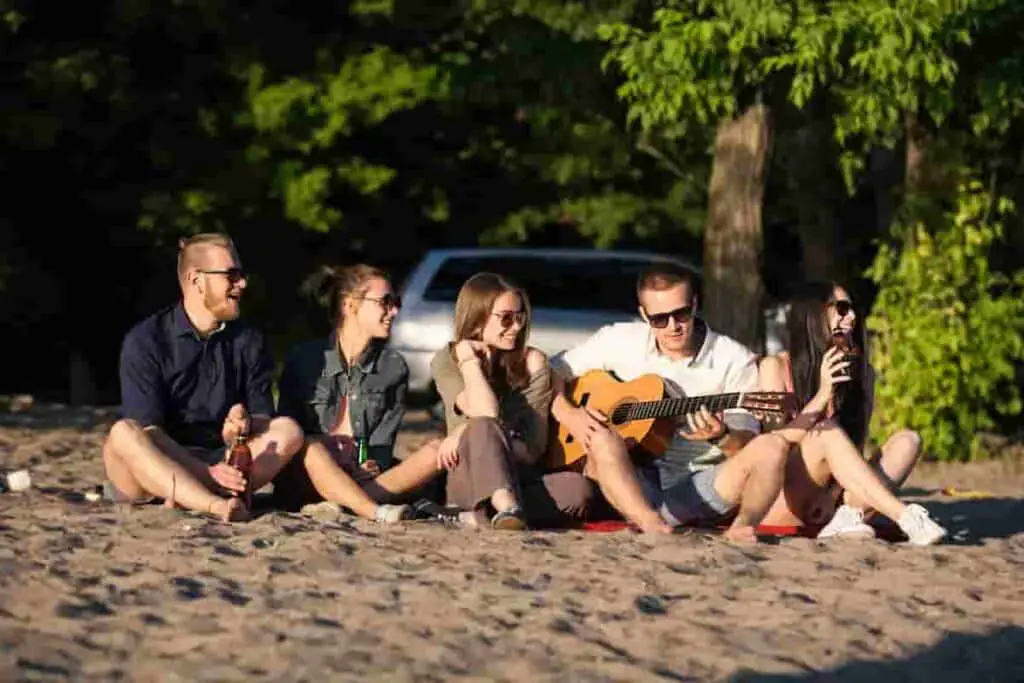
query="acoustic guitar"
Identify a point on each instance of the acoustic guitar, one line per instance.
(644, 414)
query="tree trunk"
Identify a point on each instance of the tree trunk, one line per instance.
(814, 195)
(917, 143)
(733, 239)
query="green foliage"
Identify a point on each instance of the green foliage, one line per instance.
(299, 119)
(874, 61)
(949, 331)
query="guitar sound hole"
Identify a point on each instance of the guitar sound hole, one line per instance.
(620, 414)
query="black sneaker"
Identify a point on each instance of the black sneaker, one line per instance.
(424, 509)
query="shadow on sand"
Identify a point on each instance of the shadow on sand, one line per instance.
(994, 656)
(972, 522)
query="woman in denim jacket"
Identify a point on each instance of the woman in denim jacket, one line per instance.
(348, 393)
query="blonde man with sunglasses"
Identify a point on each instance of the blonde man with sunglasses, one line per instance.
(724, 471)
(193, 377)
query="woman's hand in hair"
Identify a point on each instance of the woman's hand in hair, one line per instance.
(470, 349)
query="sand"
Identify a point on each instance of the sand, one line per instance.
(91, 591)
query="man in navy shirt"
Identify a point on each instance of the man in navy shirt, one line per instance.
(192, 379)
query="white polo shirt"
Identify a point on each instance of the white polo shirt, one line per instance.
(722, 365)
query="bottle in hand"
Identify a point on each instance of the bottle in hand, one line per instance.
(851, 352)
(240, 457)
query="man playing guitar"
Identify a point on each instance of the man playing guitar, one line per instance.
(728, 471)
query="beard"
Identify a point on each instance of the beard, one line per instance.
(223, 307)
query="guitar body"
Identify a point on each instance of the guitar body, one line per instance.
(604, 392)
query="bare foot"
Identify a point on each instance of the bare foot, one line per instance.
(654, 524)
(740, 534)
(656, 527)
(229, 510)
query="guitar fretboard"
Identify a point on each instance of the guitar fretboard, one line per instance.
(673, 407)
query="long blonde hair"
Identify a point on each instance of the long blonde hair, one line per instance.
(472, 311)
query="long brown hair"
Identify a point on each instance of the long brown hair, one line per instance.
(333, 284)
(472, 311)
(809, 339)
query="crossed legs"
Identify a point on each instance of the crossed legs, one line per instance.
(332, 483)
(143, 463)
(899, 456)
(827, 452)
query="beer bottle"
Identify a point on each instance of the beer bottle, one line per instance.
(363, 451)
(240, 457)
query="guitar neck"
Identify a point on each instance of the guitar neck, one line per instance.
(674, 407)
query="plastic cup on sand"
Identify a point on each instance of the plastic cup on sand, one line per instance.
(16, 480)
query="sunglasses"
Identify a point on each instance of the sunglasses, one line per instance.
(680, 315)
(510, 318)
(843, 307)
(387, 302)
(233, 275)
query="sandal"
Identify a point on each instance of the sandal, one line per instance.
(509, 520)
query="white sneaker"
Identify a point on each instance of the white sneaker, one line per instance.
(919, 527)
(847, 522)
(391, 514)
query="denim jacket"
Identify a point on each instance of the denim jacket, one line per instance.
(316, 378)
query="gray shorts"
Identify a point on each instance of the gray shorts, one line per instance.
(692, 501)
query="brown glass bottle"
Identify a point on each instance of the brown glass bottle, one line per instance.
(240, 457)
(851, 352)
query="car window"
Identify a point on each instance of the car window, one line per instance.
(601, 284)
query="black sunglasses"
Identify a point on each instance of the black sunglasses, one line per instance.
(387, 302)
(680, 315)
(509, 318)
(843, 307)
(232, 274)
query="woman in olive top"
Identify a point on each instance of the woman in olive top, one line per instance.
(348, 393)
(497, 396)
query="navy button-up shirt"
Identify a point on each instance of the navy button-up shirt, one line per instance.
(173, 378)
(316, 379)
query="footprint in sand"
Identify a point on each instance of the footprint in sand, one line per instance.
(234, 597)
(188, 589)
(83, 610)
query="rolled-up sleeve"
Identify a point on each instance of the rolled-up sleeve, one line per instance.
(449, 383)
(142, 392)
(742, 376)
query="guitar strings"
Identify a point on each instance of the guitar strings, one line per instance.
(646, 410)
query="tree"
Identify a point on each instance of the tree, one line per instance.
(704, 65)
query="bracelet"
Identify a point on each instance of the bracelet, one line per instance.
(474, 359)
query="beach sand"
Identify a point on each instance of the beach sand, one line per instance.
(93, 591)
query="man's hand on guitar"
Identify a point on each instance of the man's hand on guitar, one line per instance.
(703, 426)
(585, 423)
